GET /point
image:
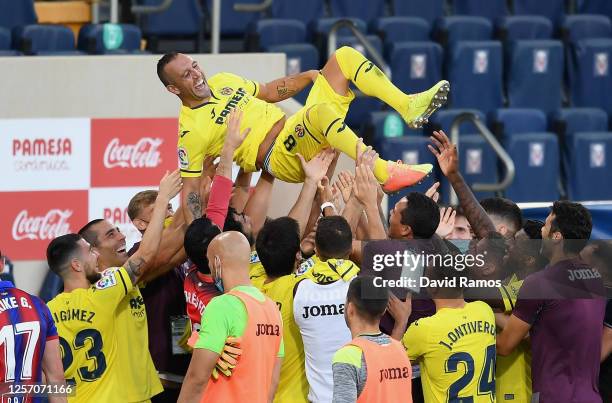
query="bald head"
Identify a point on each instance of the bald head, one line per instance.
(229, 257)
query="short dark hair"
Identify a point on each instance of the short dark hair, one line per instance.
(574, 222)
(139, 201)
(231, 224)
(533, 228)
(60, 250)
(198, 236)
(333, 237)
(422, 214)
(505, 209)
(277, 244)
(371, 301)
(88, 233)
(161, 65)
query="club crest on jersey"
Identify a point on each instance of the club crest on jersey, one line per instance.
(227, 91)
(106, 281)
(183, 158)
(254, 258)
(299, 130)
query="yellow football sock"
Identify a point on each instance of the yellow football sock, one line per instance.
(370, 79)
(340, 136)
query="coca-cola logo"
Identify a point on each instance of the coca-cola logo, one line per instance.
(143, 154)
(49, 226)
(42, 147)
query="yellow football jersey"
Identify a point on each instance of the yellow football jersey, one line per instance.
(85, 320)
(257, 273)
(202, 129)
(456, 350)
(513, 373)
(134, 358)
(292, 385)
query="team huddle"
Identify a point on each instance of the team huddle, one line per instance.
(220, 303)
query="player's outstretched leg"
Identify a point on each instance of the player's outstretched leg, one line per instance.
(394, 176)
(415, 109)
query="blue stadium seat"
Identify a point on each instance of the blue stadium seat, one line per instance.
(352, 41)
(366, 10)
(17, 12)
(536, 74)
(510, 121)
(475, 71)
(524, 27)
(5, 39)
(381, 125)
(234, 23)
(321, 28)
(449, 30)
(590, 78)
(44, 39)
(443, 119)
(182, 18)
(586, 26)
(358, 112)
(300, 57)
(568, 121)
(536, 160)
(4, 53)
(411, 150)
(589, 166)
(401, 29)
(430, 10)
(274, 31)
(603, 7)
(491, 9)
(91, 39)
(305, 11)
(416, 66)
(553, 9)
(477, 164)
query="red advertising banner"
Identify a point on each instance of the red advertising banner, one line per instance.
(32, 219)
(132, 152)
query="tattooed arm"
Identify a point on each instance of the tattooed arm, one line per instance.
(286, 87)
(140, 261)
(446, 153)
(191, 200)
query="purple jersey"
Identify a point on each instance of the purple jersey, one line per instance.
(565, 333)
(25, 327)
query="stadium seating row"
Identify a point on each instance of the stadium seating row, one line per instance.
(569, 150)
(39, 39)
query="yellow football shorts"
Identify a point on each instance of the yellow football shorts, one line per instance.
(303, 133)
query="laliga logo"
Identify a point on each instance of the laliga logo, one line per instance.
(143, 154)
(52, 225)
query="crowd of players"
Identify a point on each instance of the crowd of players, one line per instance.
(218, 302)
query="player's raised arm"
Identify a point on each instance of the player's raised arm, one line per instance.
(286, 87)
(137, 265)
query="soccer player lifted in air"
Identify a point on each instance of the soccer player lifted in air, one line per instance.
(276, 142)
(88, 312)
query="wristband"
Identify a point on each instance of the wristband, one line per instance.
(325, 205)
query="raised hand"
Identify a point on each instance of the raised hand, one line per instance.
(365, 188)
(445, 152)
(170, 185)
(432, 192)
(234, 138)
(344, 185)
(316, 168)
(447, 222)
